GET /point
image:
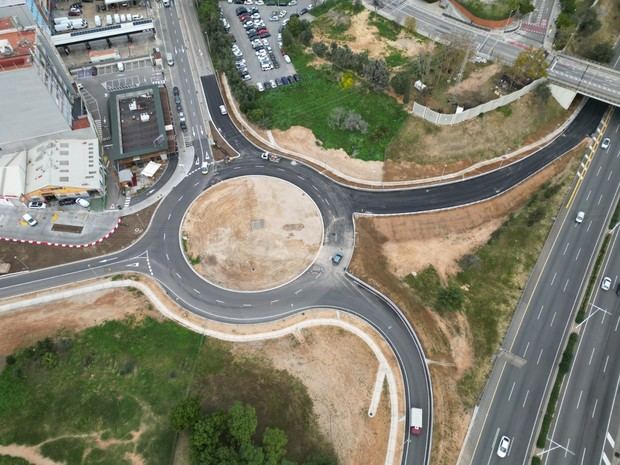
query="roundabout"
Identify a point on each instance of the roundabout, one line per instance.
(252, 233)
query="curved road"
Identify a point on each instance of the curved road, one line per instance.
(158, 252)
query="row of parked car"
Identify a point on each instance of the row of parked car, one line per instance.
(258, 35)
(177, 101)
(277, 82)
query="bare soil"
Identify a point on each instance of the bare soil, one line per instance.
(340, 383)
(476, 80)
(33, 257)
(267, 232)
(388, 248)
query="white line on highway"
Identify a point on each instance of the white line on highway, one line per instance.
(553, 280)
(167, 256)
(526, 396)
(605, 366)
(566, 248)
(578, 252)
(511, 389)
(280, 169)
(493, 447)
(579, 400)
(565, 285)
(247, 305)
(315, 188)
(617, 323)
(566, 449)
(554, 313)
(195, 184)
(609, 177)
(219, 301)
(591, 356)
(594, 409)
(540, 312)
(599, 170)
(180, 198)
(169, 216)
(301, 178)
(298, 291)
(237, 168)
(526, 347)
(589, 224)
(259, 166)
(178, 275)
(583, 456)
(274, 301)
(588, 196)
(539, 355)
(599, 199)
(196, 291)
(611, 440)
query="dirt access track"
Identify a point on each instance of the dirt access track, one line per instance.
(252, 233)
(339, 382)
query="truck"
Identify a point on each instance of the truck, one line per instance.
(63, 27)
(60, 20)
(79, 23)
(415, 421)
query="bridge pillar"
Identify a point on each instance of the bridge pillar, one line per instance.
(563, 96)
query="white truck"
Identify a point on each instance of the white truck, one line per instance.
(61, 19)
(415, 421)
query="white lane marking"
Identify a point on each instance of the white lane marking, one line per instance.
(589, 224)
(219, 301)
(566, 449)
(617, 323)
(164, 236)
(605, 459)
(525, 400)
(526, 347)
(579, 400)
(591, 356)
(553, 280)
(511, 389)
(611, 440)
(298, 291)
(274, 301)
(583, 456)
(180, 198)
(167, 256)
(578, 252)
(178, 275)
(493, 448)
(588, 196)
(169, 216)
(594, 409)
(247, 305)
(610, 173)
(540, 312)
(605, 367)
(539, 355)
(565, 285)
(196, 291)
(553, 318)
(301, 178)
(599, 170)
(566, 248)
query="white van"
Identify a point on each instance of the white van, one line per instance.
(108, 20)
(63, 27)
(169, 59)
(117, 18)
(123, 18)
(61, 20)
(120, 66)
(98, 21)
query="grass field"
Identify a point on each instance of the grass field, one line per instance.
(496, 9)
(309, 104)
(94, 397)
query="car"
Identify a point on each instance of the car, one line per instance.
(274, 18)
(204, 168)
(605, 143)
(175, 90)
(336, 259)
(223, 110)
(606, 283)
(618, 289)
(67, 201)
(256, 16)
(240, 10)
(296, 77)
(136, 17)
(82, 202)
(265, 155)
(246, 77)
(37, 204)
(179, 107)
(287, 58)
(283, 81)
(260, 86)
(273, 84)
(259, 2)
(30, 220)
(503, 447)
(309, 7)
(303, 11)
(580, 217)
(264, 34)
(292, 3)
(282, 13)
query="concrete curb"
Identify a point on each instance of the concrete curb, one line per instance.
(309, 322)
(60, 244)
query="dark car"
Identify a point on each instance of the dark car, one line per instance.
(290, 79)
(179, 107)
(336, 259)
(175, 90)
(264, 34)
(283, 81)
(618, 289)
(183, 125)
(66, 201)
(296, 77)
(177, 100)
(240, 10)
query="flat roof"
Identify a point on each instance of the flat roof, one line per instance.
(136, 122)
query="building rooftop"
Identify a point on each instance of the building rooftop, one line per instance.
(13, 174)
(15, 45)
(136, 122)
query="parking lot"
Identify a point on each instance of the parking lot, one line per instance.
(256, 70)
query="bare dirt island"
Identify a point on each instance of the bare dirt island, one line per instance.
(252, 233)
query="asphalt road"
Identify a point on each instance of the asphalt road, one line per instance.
(525, 365)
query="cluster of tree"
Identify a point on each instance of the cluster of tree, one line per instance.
(220, 43)
(579, 19)
(433, 69)
(228, 437)
(349, 120)
(531, 64)
(374, 71)
(297, 32)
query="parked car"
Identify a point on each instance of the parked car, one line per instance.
(175, 90)
(30, 220)
(82, 202)
(68, 201)
(336, 259)
(605, 144)
(37, 204)
(606, 283)
(260, 86)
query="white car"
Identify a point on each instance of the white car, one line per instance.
(282, 13)
(223, 110)
(30, 220)
(287, 58)
(503, 447)
(273, 84)
(292, 3)
(260, 86)
(605, 144)
(265, 155)
(259, 2)
(580, 217)
(82, 202)
(606, 284)
(256, 16)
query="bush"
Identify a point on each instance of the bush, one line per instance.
(603, 52)
(449, 299)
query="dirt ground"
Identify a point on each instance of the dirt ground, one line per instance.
(475, 80)
(396, 246)
(33, 257)
(267, 232)
(340, 383)
(302, 140)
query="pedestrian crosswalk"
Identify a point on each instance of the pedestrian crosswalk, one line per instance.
(127, 200)
(187, 140)
(538, 28)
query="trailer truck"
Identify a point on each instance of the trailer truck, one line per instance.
(415, 421)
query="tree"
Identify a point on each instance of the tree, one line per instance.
(531, 64)
(602, 52)
(543, 92)
(588, 21)
(274, 445)
(320, 49)
(449, 299)
(410, 24)
(525, 7)
(242, 422)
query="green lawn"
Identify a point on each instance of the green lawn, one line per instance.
(110, 381)
(310, 102)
